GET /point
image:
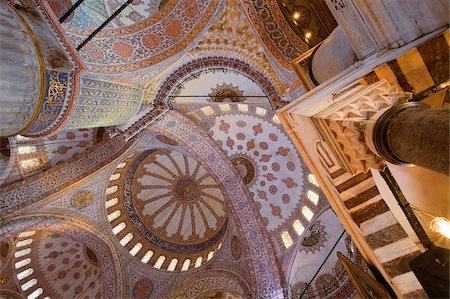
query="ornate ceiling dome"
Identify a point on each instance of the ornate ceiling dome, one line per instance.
(166, 209)
(62, 261)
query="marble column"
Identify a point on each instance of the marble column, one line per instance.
(21, 73)
(412, 133)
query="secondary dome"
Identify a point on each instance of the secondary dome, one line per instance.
(166, 209)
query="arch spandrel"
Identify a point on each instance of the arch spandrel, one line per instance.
(266, 282)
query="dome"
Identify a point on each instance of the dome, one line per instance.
(166, 209)
(63, 261)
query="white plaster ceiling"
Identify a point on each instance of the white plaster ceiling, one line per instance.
(204, 83)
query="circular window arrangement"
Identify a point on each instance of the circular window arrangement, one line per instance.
(166, 210)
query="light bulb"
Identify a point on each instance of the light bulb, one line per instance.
(441, 225)
(308, 34)
(296, 15)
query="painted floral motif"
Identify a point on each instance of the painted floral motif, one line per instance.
(122, 49)
(225, 93)
(271, 150)
(150, 41)
(173, 28)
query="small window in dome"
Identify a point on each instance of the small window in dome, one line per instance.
(27, 149)
(121, 165)
(136, 248)
(312, 179)
(146, 258)
(210, 255)
(111, 202)
(24, 243)
(287, 240)
(159, 262)
(224, 107)
(220, 246)
(125, 240)
(111, 190)
(207, 110)
(27, 234)
(118, 228)
(22, 263)
(313, 197)
(20, 137)
(114, 215)
(25, 273)
(172, 265)
(28, 284)
(243, 107)
(307, 213)
(186, 265)
(30, 163)
(35, 294)
(114, 177)
(276, 119)
(261, 111)
(198, 262)
(298, 227)
(22, 252)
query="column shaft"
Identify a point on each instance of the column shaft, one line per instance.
(421, 136)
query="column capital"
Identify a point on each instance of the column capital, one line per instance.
(376, 131)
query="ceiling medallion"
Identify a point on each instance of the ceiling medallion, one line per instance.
(226, 93)
(246, 168)
(186, 189)
(82, 199)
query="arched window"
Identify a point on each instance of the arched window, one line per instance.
(22, 252)
(24, 243)
(22, 263)
(121, 165)
(30, 163)
(28, 284)
(307, 213)
(198, 262)
(111, 202)
(243, 107)
(275, 119)
(186, 264)
(172, 265)
(114, 215)
(210, 255)
(312, 179)
(207, 110)
(111, 190)
(114, 177)
(313, 197)
(27, 149)
(159, 262)
(125, 240)
(261, 111)
(298, 227)
(25, 273)
(287, 240)
(135, 249)
(146, 258)
(119, 227)
(26, 234)
(224, 107)
(35, 294)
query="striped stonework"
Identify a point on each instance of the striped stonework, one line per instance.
(418, 69)
(377, 225)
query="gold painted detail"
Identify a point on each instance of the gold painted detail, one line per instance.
(82, 199)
